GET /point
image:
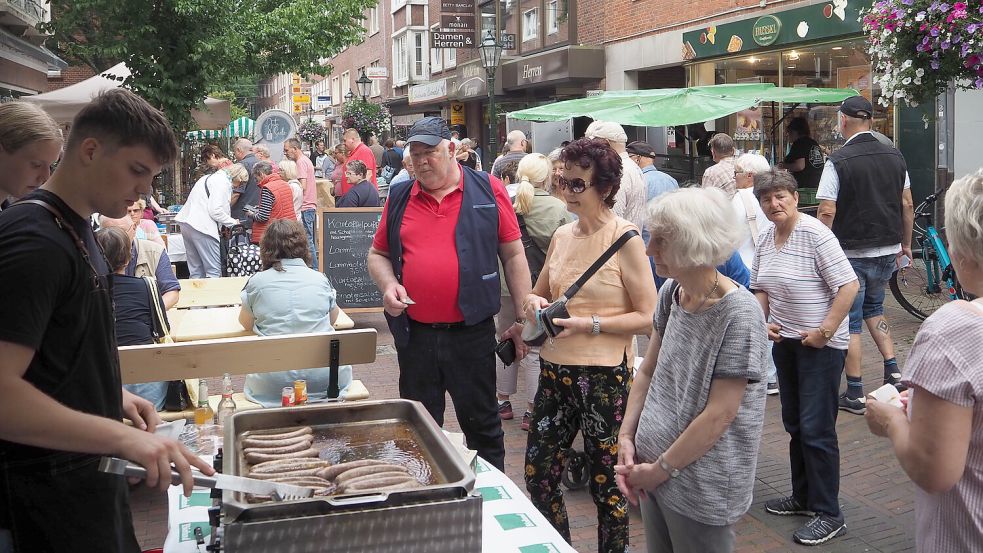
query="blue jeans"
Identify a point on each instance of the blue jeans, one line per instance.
(809, 386)
(873, 273)
(308, 217)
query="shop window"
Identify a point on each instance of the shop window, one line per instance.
(346, 82)
(552, 17)
(376, 86)
(530, 24)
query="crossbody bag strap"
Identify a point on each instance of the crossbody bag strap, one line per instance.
(752, 217)
(161, 326)
(576, 286)
(60, 221)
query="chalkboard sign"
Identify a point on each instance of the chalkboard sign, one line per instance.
(345, 241)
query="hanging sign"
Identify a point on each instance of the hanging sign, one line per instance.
(457, 23)
(457, 6)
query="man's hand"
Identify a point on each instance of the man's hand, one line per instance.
(393, 300)
(514, 333)
(814, 339)
(156, 454)
(905, 251)
(773, 334)
(140, 411)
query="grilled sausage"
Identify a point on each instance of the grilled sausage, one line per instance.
(378, 483)
(254, 458)
(282, 465)
(278, 433)
(253, 442)
(311, 472)
(368, 477)
(407, 485)
(299, 446)
(331, 472)
(363, 471)
(305, 481)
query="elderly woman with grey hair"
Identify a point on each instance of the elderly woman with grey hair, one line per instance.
(938, 436)
(688, 445)
(806, 287)
(206, 209)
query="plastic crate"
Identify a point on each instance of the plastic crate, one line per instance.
(807, 196)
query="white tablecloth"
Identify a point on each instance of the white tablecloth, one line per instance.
(175, 248)
(510, 523)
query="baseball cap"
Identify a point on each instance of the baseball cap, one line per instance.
(857, 106)
(429, 130)
(606, 130)
(641, 148)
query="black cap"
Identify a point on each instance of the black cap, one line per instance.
(641, 148)
(429, 130)
(857, 106)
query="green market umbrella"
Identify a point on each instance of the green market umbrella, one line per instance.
(242, 127)
(665, 107)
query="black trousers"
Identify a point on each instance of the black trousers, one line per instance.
(461, 362)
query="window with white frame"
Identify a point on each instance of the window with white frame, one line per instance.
(401, 62)
(530, 24)
(398, 4)
(376, 86)
(335, 90)
(419, 55)
(450, 58)
(436, 54)
(552, 17)
(373, 20)
(410, 57)
(346, 83)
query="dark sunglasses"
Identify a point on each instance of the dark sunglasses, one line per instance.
(575, 186)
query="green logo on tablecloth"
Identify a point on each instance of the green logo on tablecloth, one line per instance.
(186, 530)
(493, 493)
(512, 521)
(480, 467)
(197, 499)
(540, 548)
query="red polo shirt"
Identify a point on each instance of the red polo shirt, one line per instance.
(430, 266)
(365, 155)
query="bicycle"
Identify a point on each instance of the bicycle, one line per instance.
(929, 281)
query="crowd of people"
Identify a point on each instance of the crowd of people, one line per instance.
(579, 254)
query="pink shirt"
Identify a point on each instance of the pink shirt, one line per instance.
(305, 171)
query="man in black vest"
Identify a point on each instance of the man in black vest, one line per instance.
(435, 259)
(865, 198)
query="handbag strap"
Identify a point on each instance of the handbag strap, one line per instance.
(156, 314)
(576, 286)
(752, 217)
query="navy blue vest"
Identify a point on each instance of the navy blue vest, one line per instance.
(476, 240)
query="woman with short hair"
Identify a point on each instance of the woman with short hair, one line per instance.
(288, 297)
(143, 229)
(938, 436)
(689, 442)
(30, 144)
(805, 286)
(363, 194)
(288, 172)
(207, 208)
(586, 370)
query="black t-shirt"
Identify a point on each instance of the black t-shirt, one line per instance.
(807, 148)
(363, 194)
(52, 304)
(134, 322)
(471, 161)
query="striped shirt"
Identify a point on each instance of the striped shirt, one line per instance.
(802, 278)
(945, 361)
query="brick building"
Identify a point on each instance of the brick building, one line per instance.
(25, 63)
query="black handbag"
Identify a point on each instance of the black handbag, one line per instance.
(242, 257)
(536, 330)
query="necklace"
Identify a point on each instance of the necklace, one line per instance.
(716, 281)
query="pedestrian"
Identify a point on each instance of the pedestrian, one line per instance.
(556, 172)
(355, 149)
(865, 198)
(407, 173)
(362, 194)
(721, 173)
(586, 370)
(515, 149)
(629, 202)
(392, 162)
(148, 259)
(144, 229)
(656, 182)
(263, 154)
(275, 201)
(466, 155)
(205, 210)
(432, 235)
(938, 436)
(539, 215)
(247, 192)
(288, 172)
(805, 159)
(689, 442)
(61, 396)
(805, 285)
(377, 149)
(308, 182)
(30, 143)
(317, 157)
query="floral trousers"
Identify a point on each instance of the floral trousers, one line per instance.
(574, 398)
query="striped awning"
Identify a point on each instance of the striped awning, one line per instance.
(206, 134)
(241, 127)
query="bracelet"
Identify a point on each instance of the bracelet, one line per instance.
(520, 321)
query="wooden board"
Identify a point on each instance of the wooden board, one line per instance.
(189, 325)
(211, 292)
(249, 354)
(346, 236)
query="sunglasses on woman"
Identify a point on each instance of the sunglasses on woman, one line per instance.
(575, 186)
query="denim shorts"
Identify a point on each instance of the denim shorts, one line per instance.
(873, 273)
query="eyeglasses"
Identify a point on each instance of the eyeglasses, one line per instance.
(134, 210)
(575, 186)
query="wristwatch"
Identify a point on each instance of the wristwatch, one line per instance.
(595, 325)
(670, 470)
(827, 334)
(521, 321)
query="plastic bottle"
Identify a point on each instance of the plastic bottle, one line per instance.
(227, 406)
(203, 412)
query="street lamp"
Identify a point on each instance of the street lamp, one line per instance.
(364, 85)
(349, 97)
(490, 51)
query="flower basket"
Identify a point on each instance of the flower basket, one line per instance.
(365, 117)
(310, 131)
(920, 47)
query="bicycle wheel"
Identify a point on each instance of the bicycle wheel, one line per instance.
(918, 287)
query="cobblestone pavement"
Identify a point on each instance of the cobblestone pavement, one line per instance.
(876, 496)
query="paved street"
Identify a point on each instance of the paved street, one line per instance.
(876, 496)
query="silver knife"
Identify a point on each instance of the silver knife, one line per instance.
(276, 490)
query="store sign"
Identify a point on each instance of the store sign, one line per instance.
(458, 23)
(428, 92)
(377, 72)
(457, 113)
(765, 30)
(508, 41)
(571, 63)
(470, 82)
(809, 23)
(457, 6)
(302, 98)
(451, 40)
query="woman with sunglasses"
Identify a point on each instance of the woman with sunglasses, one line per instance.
(30, 143)
(586, 370)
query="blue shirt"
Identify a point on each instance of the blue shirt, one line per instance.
(298, 300)
(658, 182)
(166, 280)
(733, 269)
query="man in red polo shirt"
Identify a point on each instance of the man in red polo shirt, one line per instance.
(357, 150)
(435, 259)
